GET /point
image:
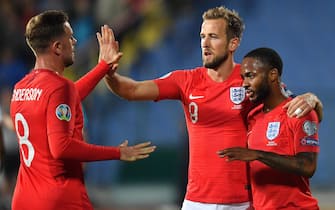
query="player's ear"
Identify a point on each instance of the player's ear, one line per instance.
(234, 43)
(57, 47)
(274, 74)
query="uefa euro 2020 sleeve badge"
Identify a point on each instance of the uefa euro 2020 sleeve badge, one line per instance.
(63, 112)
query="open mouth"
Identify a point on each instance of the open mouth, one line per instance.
(206, 52)
(249, 93)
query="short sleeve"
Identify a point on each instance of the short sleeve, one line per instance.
(169, 85)
(306, 137)
(60, 110)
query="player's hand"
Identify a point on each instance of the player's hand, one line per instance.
(238, 153)
(109, 47)
(136, 152)
(301, 105)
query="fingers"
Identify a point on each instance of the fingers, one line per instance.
(147, 150)
(298, 107)
(221, 153)
(99, 38)
(124, 144)
(108, 35)
(105, 34)
(140, 157)
(144, 144)
(225, 153)
(136, 152)
(117, 58)
(143, 150)
(111, 34)
(109, 47)
(104, 29)
(231, 154)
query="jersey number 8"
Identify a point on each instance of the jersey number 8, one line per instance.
(23, 140)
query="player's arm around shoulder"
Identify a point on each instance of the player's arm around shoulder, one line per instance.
(300, 105)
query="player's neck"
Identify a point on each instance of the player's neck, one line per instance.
(273, 100)
(46, 62)
(223, 71)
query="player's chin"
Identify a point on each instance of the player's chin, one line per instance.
(207, 60)
(253, 98)
(69, 63)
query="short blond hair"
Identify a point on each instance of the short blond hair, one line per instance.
(235, 25)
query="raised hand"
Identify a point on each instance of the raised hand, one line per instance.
(109, 47)
(136, 152)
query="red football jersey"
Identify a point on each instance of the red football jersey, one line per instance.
(214, 113)
(48, 119)
(276, 132)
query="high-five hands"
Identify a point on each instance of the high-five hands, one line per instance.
(136, 152)
(109, 47)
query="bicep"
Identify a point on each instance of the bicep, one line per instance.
(145, 90)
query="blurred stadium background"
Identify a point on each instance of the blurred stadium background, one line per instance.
(157, 36)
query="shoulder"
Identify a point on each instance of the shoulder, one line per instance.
(253, 114)
(255, 111)
(308, 123)
(51, 82)
(310, 119)
(58, 81)
(312, 115)
(184, 74)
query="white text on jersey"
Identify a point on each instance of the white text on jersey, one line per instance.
(29, 94)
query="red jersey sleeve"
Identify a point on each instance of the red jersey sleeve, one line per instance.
(169, 85)
(87, 83)
(306, 137)
(61, 112)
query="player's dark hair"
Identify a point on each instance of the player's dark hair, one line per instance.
(235, 25)
(44, 28)
(268, 57)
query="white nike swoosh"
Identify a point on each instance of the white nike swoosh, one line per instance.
(195, 97)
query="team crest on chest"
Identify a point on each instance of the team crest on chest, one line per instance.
(272, 130)
(237, 94)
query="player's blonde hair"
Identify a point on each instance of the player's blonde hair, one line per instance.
(235, 25)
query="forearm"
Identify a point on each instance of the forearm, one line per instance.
(303, 164)
(120, 85)
(65, 147)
